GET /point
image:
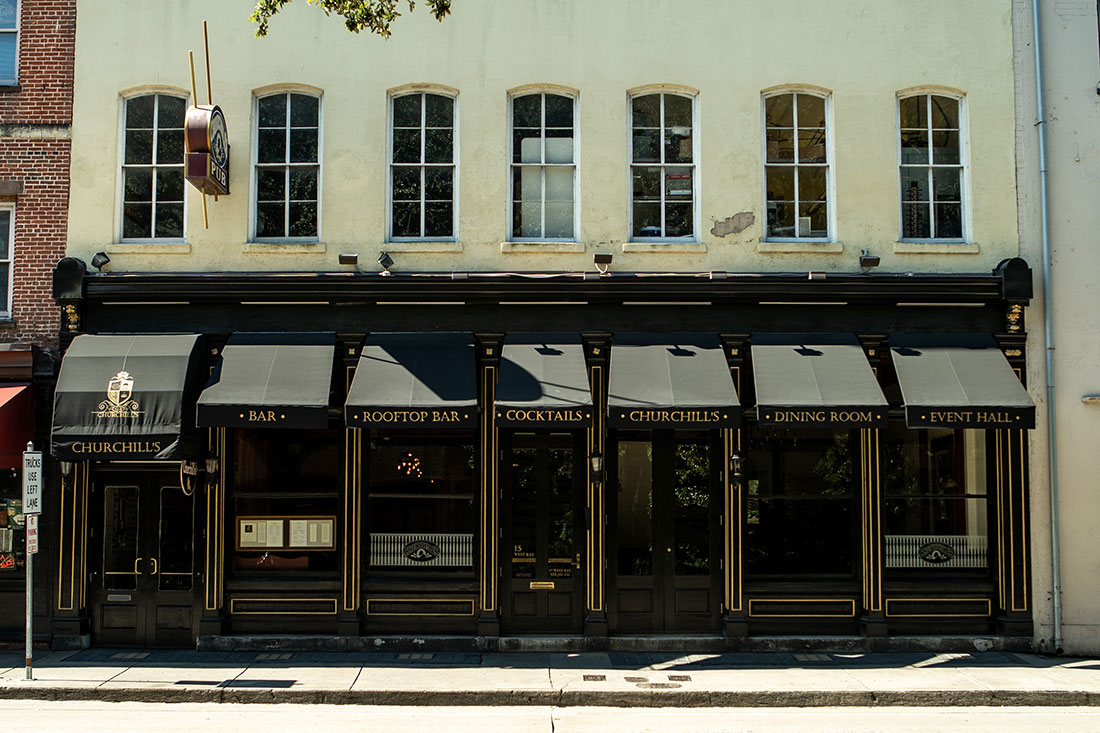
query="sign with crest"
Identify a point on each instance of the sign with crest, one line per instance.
(207, 150)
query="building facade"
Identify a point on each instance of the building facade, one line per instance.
(643, 332)
(36, 78)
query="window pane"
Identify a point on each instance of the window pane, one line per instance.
(802, 536)
(527, 183)
(527, 111)
(139, 111)
(273, 111)
(914, 112)
(137, 184)
(7, 13)
(780, 182)
(647, 220)
(439, 183)
(5, 230)
(406, 183)
(526, 146)
(948, 221)
(811, 111)
(647, 146)
(139, 147)
(678, 183)
(559, 220)
(303, 184)
(527, 220)
(406, 219)
(813, 219)
(303, 146)
(169, 220)
(945, 182)
(271, 184)
(170, 112)
(635, 505)
(940, 515)
(647, 184)
(677, 111)
(559, 111)
(914, 147)
(303, 219)
(270, 220)
(406, 110)
(945, 148)
(780, 145)
(170, 185)
(692, 498)
(646, 111)
(169, 147)
(559, 146)
(7, 56)
(5, 270)
(559, 184)
(811, 146)
(137, 221)
(176, 539)
(811, 183)
(438, 147)
(406, 146)
(915, 221)
(914, 184)
(778, 111)
(524, 524)
(120, 523)
(272, 146)
(780, 220)
(438, 219)
(678, 220)
(678, 145)
(439, 111)
(303, 110)
(945, 113)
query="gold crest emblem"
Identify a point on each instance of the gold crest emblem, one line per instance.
(119, 388)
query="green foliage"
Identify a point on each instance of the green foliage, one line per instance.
(373, 16)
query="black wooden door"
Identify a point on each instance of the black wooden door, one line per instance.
(542, 476)
(143, 560)
(665, 573)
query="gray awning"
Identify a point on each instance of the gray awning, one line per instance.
(126, 397)
(959, 381)
(543, 382)
(670, 380)
(815, 380)
(414, 381)
(270, 380)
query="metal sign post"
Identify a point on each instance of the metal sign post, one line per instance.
(32, 507)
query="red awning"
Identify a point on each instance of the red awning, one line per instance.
(16, 423)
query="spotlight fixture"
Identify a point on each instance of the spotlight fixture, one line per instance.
(348, 258)
(99, 259)
(602, 260)
(386, 261)
(867, 260)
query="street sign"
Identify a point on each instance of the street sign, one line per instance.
(32, 482)
(32, 534)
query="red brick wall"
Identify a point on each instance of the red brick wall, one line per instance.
(34, 151)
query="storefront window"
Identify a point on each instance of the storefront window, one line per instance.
(12, 524)
(801, 503)
(286, 489)
(934, 487)
(420, 509)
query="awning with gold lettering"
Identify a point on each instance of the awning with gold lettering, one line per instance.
(127, 397)
(959, 381)
(670, 380)
(815, 380)
(543, 382)
(270, 380)
(414, 381)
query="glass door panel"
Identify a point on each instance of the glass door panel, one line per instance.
(692, 507)
(174, 563)
(524, 513)
(635, 504)
(121, 558)
(561, 522)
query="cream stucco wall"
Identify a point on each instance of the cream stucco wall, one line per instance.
(1071, 58)
(863, 51)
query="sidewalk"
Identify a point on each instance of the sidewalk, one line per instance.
(560, 679)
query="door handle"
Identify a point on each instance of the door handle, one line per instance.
(136, 561)
(154, 561)
(577, 562)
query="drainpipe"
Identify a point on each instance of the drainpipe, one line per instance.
(1048, 329)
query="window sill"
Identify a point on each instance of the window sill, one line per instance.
(542, 247)
(10, 88)
(283, 248)
(149, 248)
(424, 247)
(816, 247)
(665, 247)
(6, 322)
(936, 248)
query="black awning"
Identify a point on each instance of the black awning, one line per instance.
(959, 381)
(670, 380)
(126, 397)
(414, 381)
(270, 380)
(815, 380)
(543, 382)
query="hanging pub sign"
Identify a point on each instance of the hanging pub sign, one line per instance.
(207, 166)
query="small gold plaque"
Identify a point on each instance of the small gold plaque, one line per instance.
(542, 585)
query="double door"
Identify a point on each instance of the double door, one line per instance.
(664, 503)
(542, 476)
(143, 560)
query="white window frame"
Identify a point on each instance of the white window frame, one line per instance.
(963, 166)
(6, 308)
(422, 91)
(17, 32)
(255, 165)
(694, 164)
(120, 195)
(512, 165)
(830, 156)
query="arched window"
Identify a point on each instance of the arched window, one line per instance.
(544, 170)
(422, 166)
(288, 166)
(662, 166)
(797, 168)
(933, 167)
(152, 167)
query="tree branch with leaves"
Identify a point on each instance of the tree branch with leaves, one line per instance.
(373, 16)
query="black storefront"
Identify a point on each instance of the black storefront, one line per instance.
(489, 456)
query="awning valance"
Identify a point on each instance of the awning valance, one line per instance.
(543, 382)
(414, 381)
(270, 380)
(670, 380)
(959, 381)
(16, 423)
(126, 397)
(815, 380)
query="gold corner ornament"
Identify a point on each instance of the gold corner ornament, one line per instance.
(207, 139)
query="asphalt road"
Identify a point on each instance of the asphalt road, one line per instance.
(88, 717)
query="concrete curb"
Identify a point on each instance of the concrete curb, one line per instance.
(566, 698)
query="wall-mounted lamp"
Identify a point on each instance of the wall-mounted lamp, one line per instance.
(867, 260)
(386, 261)
(348, 258)
(99, 260)
(211, 465)
(736, 464)
(66, 468)
(602, 260)
(595, 462)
